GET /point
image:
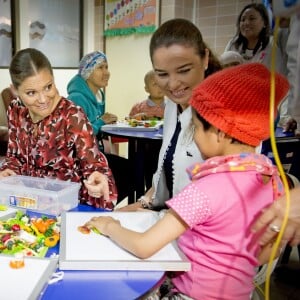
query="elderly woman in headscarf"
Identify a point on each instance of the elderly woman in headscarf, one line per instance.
(86, 89)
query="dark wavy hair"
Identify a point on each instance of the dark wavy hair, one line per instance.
(183, 32)
(264, 35)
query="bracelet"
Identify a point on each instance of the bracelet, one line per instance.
(144, 203)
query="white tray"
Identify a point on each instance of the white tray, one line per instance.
(125, 126)
(96, 252)
(8, 213)
(27, 282)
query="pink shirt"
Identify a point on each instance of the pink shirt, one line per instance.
(219, 209)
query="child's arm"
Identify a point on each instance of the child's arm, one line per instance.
(145, 244)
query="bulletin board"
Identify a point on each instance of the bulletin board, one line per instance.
(27, 282)
(96, 252)
(124, 17)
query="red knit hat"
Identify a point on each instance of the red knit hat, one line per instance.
(236, 100)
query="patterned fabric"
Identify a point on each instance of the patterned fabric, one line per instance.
(149, 108)
(219, 207)
(60, 146)
(89, 62)
(243, 162)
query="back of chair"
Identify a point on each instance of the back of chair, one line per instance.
(7, 96)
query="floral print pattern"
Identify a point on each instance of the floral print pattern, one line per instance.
(242, 162)
(60, 146)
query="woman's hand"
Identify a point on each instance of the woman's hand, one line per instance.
(6, 173)
(102, 224)
(97, 185)
(109, 118)
(266, 251)
(272, 218)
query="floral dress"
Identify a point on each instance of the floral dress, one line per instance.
(60, 146)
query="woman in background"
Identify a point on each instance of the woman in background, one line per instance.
(86, 90)
(253, 38)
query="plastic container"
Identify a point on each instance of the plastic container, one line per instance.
(44, 195)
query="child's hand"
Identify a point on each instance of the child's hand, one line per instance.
(102, 224)
(139, 116)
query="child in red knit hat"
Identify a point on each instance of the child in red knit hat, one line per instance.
(212, 216)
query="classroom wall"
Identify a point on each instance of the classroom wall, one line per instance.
(128, 57)
(62, 76)
(129, 60)
(128, 66)
(217, 20)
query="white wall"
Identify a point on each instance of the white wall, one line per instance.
(128, 65)
(128, 62)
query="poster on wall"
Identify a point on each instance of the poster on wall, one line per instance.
(5, 33)
(54, 29)
(125, 17)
